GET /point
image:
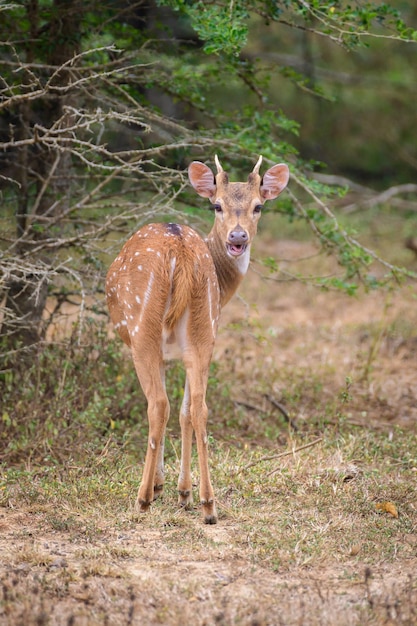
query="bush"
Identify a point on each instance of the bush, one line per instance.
(68, 399)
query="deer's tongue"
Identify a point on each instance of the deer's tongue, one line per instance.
(236, 249)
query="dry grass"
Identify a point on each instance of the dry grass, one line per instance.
(300, 540)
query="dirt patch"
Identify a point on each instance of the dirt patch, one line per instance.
(147, 576)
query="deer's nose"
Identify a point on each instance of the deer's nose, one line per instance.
(238, 237)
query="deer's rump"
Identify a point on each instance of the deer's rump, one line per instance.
(167, 271)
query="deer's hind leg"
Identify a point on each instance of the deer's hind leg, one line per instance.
(150, 371)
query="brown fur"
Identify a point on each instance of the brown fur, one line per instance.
(167, 283)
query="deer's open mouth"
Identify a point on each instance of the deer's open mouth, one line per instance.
(236, 249)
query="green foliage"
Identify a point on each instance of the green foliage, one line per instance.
(222, 28)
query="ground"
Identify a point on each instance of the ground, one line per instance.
(300, 539)
(144, 577)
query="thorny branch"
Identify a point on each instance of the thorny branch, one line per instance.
(85, 188)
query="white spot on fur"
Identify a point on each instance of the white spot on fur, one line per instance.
(173, 264)
(147, 295)
(210, 307)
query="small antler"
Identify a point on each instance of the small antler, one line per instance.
(258, 165)
(217, 162)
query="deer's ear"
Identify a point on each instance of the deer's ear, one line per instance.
(274, 181)
(202, 179)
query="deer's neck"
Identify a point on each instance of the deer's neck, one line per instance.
(229, 271)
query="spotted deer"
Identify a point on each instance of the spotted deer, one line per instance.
(167, 286)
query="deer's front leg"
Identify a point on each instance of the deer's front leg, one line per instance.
(199, 413)
(206, 489)
(160, 469)
(185, 498)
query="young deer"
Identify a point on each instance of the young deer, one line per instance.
(168, 285)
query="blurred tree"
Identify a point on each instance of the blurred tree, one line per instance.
(102, 102)
(355, 106)
(40, 169)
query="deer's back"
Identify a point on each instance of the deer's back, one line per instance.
(163, 273)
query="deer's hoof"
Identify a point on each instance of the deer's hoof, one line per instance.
(209, 511)
(142, 505)
(157, 491)
(185, 498)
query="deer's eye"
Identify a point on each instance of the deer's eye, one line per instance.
(217, 208)
(258, 208)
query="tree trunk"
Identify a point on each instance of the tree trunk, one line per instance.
(43, 172)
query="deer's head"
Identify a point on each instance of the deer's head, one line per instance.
(237, 206)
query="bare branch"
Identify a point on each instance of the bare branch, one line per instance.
(383, 198)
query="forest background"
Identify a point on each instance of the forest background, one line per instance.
(103, 105)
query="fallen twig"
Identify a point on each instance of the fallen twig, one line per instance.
(280, 408)
(278, 456)
(293, 451)
(250, 407)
